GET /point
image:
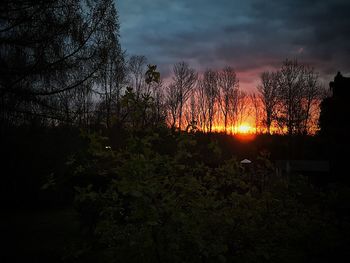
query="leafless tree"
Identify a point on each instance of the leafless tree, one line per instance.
(202, 105)
(257, 110)
(110, 84)
(268, 89)
(172, 103)
(291, 91)
(289, 96)
(136, 72)
(209, 88)
(158, 95)
(241, 108)
(228, 86)
(189, 110)
(313, 94)
(184, 81)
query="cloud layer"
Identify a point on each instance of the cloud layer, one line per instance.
(251, 35)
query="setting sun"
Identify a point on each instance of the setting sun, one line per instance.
(244, 129)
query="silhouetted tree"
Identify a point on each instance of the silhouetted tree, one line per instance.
(50, 48)
(113, 70)
(269, 97)
(257, 110)
(209, 89)
(241, 107)
(297, 90)
(202, 105)
(290, 95)
(228, 87)
(136, 73)
(172, 104)
(192, 111)
(159, 101)
(184, 80)
(313, 95)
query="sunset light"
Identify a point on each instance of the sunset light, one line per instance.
(244, 129)
(175, 131)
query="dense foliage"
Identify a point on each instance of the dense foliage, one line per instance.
(140, 203)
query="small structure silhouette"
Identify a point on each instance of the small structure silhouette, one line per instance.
(340, 87)
(335, 126)
(334, 117)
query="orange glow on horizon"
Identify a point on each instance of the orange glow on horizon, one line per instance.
(245, 129)
(245, 132)
(245, 137)
(249, 122)
(242, 129)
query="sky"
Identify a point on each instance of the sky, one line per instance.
(251, 35)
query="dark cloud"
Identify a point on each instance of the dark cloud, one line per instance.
(252, 35)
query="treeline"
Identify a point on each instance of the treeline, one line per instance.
(286, 101)
(63, 69)
(62, 64)
(84, 125)
(291, 97)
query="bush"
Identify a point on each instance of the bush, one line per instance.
(138, 205)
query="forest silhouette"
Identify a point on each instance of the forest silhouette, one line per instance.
(105, 161)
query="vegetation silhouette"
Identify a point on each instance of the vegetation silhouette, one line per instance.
(103, 162)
